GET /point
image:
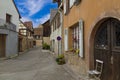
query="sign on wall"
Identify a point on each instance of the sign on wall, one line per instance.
(81, 38)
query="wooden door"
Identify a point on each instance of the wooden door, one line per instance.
(107, 48)
(115, 59)
(20, 44)
(2, 45)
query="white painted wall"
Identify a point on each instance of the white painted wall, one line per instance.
(54, 35)
(11, 44)
(7, 6)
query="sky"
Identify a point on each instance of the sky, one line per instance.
(37, 11)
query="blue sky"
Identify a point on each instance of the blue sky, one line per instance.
(37, 11)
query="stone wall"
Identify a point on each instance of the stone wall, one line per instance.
(75, 63)
(46, 40)
(38, 42)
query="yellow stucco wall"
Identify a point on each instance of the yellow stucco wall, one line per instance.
(91, 11)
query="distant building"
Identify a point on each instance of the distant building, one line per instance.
(23, 38)
(46, 32)
(30, 32)
(56, 31)
(38, 35)
(9, 23)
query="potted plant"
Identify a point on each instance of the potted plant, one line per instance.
(60, 59)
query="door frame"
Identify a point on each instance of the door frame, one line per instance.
(92, 38)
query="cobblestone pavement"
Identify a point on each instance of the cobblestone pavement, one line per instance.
(33, 65)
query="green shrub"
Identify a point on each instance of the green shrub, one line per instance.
(46, 46)
(60, 59)
(61, 56)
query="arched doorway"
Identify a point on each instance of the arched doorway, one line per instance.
(107, 48)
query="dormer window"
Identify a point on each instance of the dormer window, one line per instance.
(8, 18)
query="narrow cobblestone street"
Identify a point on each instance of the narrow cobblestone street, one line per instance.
(33, 65)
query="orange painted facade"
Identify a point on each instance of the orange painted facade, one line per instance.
(91, 12)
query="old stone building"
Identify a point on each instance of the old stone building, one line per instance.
(46, 32)
(93, 28)
(56, 31)
(38, 35)
(22, 45)
(29, 32)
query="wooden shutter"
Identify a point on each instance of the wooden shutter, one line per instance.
(81, 38)
(71, 3)
(67, 6)
(64, 6)
(66, 39)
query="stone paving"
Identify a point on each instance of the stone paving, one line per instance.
(33, 65)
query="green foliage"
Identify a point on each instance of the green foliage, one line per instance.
(46, 46)
(60, 59)
(77, 51)
(61, 56)
(72, 50)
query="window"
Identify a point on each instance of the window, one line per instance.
(75, 37)
(8, 18)
(117, 34)
(58, 18)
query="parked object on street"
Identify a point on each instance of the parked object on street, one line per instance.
(98, 70)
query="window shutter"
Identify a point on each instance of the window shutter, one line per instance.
(81, 33)
(64, 6)
(66, 39)
(71, 3)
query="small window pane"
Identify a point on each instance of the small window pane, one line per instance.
(101, 37)
(117, 33)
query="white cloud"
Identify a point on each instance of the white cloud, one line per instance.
(26, 19)
(37, 21)
(43, 19)
(33, 6)
(29, 8)
(21, 10)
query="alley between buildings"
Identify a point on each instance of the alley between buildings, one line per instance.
(33, 65)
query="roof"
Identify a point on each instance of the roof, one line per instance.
(37, 31)
(46, 23)
(52, 14)
(29, 25)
